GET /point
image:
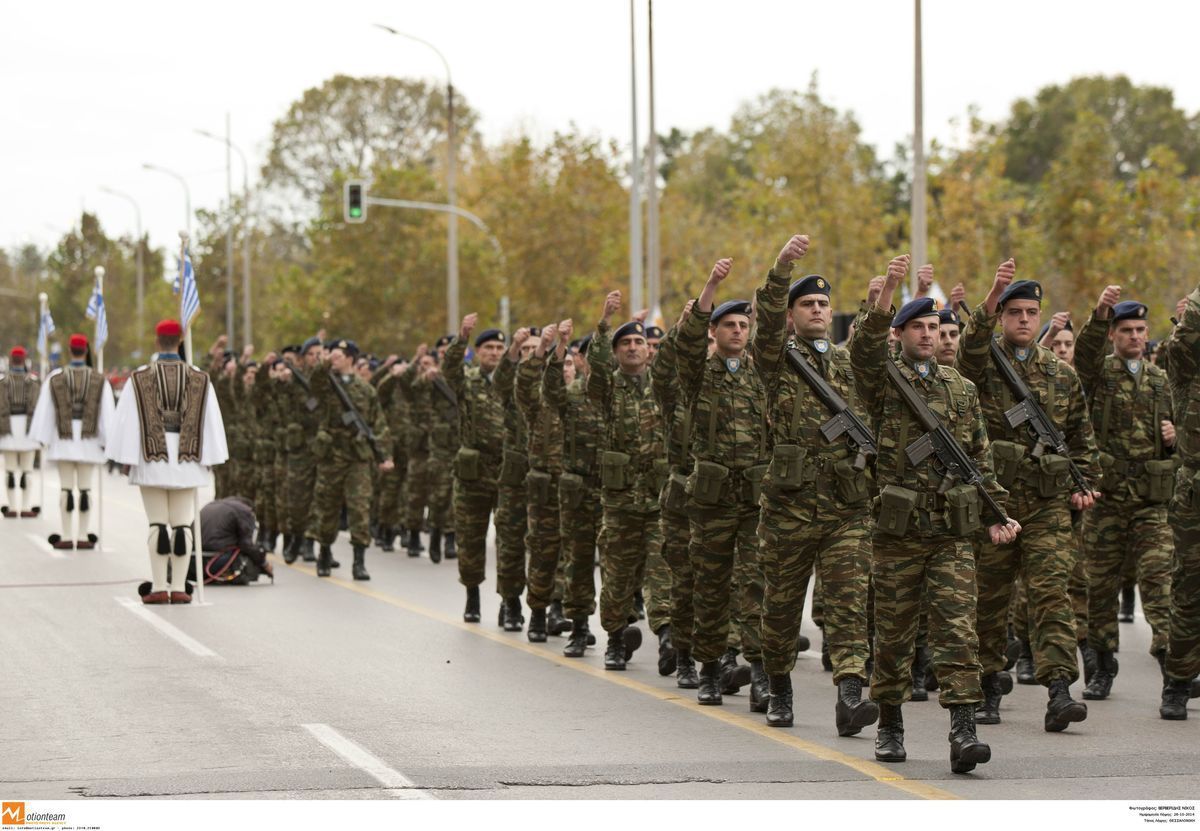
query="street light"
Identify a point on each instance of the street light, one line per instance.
(141, 269)
(452, 225)
(187, 194)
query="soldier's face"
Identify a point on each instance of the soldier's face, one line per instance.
(632, 353)
(731, 334)
(1063, 346)
(811, 315)
(579, 361)
(568, 372)
(428, 365)
(250, 375)
(652, 346)
(1129, 339)
(312, 356)
(340, 362)
(948, 336)
(527, 348)
(489, 355)
(1020, 321)
(919, 338)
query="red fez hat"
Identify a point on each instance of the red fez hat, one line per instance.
(168, 328)
(18, 353)
(78, 342)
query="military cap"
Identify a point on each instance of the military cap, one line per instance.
(948, 317)
(1021, 290)
(17, 353)
(77, 342)
(347, 346)
(290, 349)
(655, 332)
(535, 331)
(633, 327)
(490, 334)
(812, 284)
(444, 340)
(1046, 328)
(228, 355)
(730, 307)
(584, 343)
(168, 328)
(921, 307)
(251, 363)
(1128, 310)
(309, 344)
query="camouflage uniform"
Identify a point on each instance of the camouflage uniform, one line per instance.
(244, 438)
(511, 514)
(928, 559)
(265, 430)
(545, 438)
(392, 494)
(433, 442)
(224, 476)
(1126, 411)
(280, 419)
(303, 413)
(1044, 548)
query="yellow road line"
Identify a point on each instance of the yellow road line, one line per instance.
(873, 770)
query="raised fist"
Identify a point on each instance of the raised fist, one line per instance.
(566, 328)
(1058, 322)
(875, 288)
(1108, 298)
(612, 304)
(924, 280)
(468, 324)
(549, 333)
(1004, 275)
(958, 294)
(796, 248)
(520, 336)
(422, 351)
(721, 270)
(687, 311)
(640, 315)
(896, 272)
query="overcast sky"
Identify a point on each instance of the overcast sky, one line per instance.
(91, 90)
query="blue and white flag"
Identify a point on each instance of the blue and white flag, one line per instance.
(95, 311)
(45, 330)
(189, 303)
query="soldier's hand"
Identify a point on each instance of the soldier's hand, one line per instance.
(896, 272)
(1081, 501)
(1058, 322)
(720, 271)
(387, 465)
(1002, 534)
(549, 333)
(285, 373)
(874, 289)
(391, 359)
(247, 352)
(1168, 433)
(468, 325)
(612, 305)
(398, 369)
(1180, 308)
(322, 336)
(566, 329)
(687, 311)
(641, 315)
(1108, 298)
(270, 359)
(422, 351)
(520, 336)
(958, 294)
(1005, 272)
(795, 249)
(230, 368)
(924, 280)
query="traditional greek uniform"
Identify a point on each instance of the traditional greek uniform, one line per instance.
(18, 397)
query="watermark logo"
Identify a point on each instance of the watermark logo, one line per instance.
(12, 813)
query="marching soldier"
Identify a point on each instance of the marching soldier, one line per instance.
(391, 484)
(18, 396)
(511, 514)
(433, 422)
(302, 408)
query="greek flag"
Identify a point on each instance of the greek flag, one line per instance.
(189, 303)
(45, 330)
(95, 311)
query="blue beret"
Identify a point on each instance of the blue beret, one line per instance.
(347, 346)
(290, 348)
(489, 334)
(535, 331)
(1046, 328)
(655, 332)
(309, 344)
(948, 317)
(633, 327)
(444, 340)
(1021, 290)
(812, 284)
(730, 307)
(1128, 310)
(921, 307)
(584, 343)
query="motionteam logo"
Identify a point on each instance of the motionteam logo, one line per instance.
(14, 813)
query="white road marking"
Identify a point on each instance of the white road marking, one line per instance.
(186, 641)
(45, 546)
(403, 787)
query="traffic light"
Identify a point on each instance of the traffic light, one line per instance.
(355, 202)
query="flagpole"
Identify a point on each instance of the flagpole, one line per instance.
(197, 543)
(100, 369)
(43, 368)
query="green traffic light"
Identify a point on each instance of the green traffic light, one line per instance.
(356, 212)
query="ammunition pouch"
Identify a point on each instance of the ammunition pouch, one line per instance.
(707, 482)
(1006, 458)
(1110, 479)
(571, 489)
(539, 487)
(1192, 480)
(660, 471)
(962, 510)
(752, 478)
(616, 473)
(1053, 477)
(466, 464)
(513, 468)
(439, 436)
(322, 446)
(294, 437)
(896, 506)
(788, 470)
(674, 494)
(1157, 482)
(852, 486)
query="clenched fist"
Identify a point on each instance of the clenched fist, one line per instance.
(795, 249)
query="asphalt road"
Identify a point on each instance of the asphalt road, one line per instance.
(336, 689)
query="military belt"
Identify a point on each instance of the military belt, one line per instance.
(1126, 467)
(931, 502)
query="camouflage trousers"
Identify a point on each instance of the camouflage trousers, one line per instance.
(656, 589)
(279, 476)
(579, 526)
(264, 497)
(246, 478)
(474, 503)
(392, 495)
(429, 485)
(301, 482)
(1043, 552)
(627, 538)
(676, 534)
(511, 522)
(542, 537)
(1112, 529)
(723, 537)
(341, 481)
(1183, 649)
(793, 542)
(941, 572)
(1077, 588)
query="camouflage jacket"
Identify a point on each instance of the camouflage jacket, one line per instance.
(1182, 350)
(583, 428)
(336, 438)
(1056, 387)
(433, 417)
(300, 411)
(396, 410)
(950, 396)
(505, 379)
(677, 419)
(266, 416)
(543, 424)
(481, 414)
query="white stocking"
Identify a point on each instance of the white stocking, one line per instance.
(181, 512)
(26, 464)
(84, 506)
(155, 502)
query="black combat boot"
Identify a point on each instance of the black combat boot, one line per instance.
(639, 604)
(852, 712)
(988, 710)
(514, 619)
(451, 549)
(414, 544)
(1061, 710)
(760, 688)
(1005, 680)
(966, 751)
(578, 641)
(1125, 614)
(324, 561)
(1090, 662)
(734, 676)
(1106, 670)
(387, 538)
(614, 652)
(826, 661)
(1025, 673)
(471, 612)
(709, 689)
(920, 669)
(360, 563)
(537, 626)
(686, 677)
(1174, 700)
(889, 737)
(306, 551)
(556, 623)
(1011, 651)
(293, 551)
(632, 637)
(435, 545)
(803, 644)
(666, 651)
(779, 708)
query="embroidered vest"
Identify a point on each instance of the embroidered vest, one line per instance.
(76, 394)
(171, 397)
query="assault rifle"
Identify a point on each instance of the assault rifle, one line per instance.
(1028, 411)
(940, 443)
(844, 421)
(311, 402)
(351, 417)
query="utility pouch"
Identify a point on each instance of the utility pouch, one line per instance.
(440, 435)
(852, 486)
(1157, 484)
(896, 506)
(615, 474)
(538, 485)
(787, 466)
(1006, 458)
(660, 472)
(754, 478)
(674, 494)
(466, 464)
(294, 438)
(1053, 476)
(513, 468)
(322, 445)
(1109, 479)
(570, 490)
(707, 482)
(962, 510)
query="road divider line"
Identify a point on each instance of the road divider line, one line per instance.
(356, 755)
(182, 638)
(883, 774)
(44, 546)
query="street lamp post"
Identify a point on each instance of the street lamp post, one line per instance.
(247, 308)
(452, 319)
(141, 265)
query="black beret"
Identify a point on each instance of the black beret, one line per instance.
(535, 331)
(1128, 310)
(633, 327)
(489, 334)
(1046, 328)
(730, 307)
(584, 343)
(812, 284)
(228, 354)
(655, 332)
(1022, 290)
(251, 363)
(347, 346)
(443, 341)
(289, 349)
(921, 307)
(947, 317)
(309, 344)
